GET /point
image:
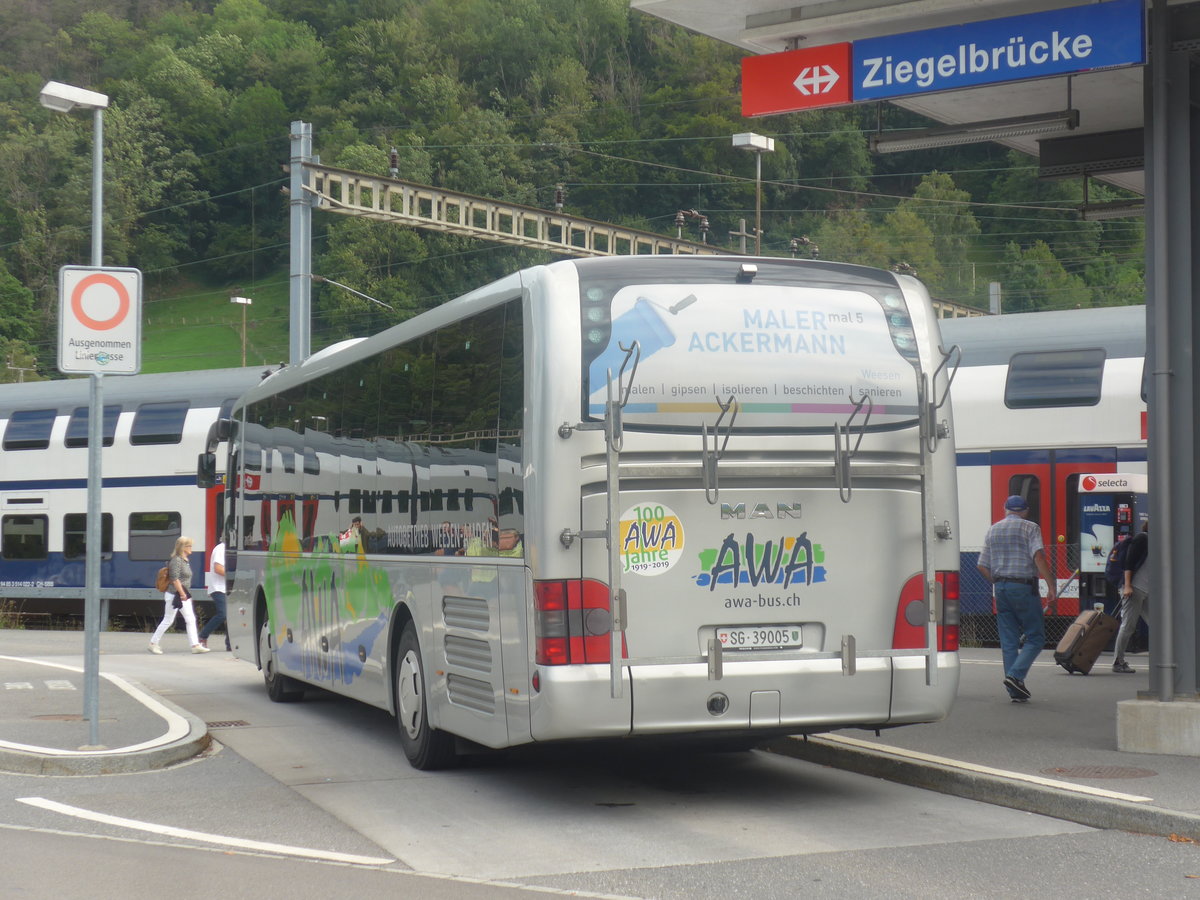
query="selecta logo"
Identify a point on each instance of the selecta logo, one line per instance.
(793, 560)
(1106, 483)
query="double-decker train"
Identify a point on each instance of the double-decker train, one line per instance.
(1039, 400)
(154, 428)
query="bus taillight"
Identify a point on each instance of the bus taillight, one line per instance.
(573, 622)
(909, 631)
(948, 626)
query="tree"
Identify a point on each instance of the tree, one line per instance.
(1033, 279)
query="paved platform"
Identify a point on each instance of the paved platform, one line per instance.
(43, 730)
(1055, 755)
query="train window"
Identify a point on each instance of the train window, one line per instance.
(77, 427)
(29, 429)
(23, 537)
(159, 423)
(152, 535)
(75, 535)
(1029, 487)
(1054, 378)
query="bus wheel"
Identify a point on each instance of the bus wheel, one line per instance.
(280, 688)
(426, 748)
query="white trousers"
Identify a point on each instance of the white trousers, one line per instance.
(168, 619)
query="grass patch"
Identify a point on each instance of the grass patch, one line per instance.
(199, 328)
(10, 615)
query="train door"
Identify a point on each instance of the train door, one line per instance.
(1049, 482)
(214, 519)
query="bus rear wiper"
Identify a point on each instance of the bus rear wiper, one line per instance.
(710, 458)
(842, 453)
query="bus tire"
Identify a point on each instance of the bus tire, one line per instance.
(280, 688)
(426, 748)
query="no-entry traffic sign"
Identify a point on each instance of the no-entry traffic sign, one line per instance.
(99, 320)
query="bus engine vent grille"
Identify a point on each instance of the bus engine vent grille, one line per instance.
(476, 695)
(466, 653)
(470, 613)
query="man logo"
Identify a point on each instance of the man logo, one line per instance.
(760, 511)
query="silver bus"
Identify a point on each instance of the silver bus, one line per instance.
(610, 498)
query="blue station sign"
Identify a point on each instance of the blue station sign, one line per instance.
(1057, 42)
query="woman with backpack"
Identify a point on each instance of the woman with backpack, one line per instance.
(177, 598)
(1134, 591)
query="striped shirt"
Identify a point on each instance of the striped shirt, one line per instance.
(1009, 548)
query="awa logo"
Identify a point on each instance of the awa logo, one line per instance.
(651, 539)
(789, 561)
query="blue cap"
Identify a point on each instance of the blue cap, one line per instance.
(1016, 503)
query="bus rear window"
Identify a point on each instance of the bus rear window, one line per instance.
(794, 357)
(1054, 378)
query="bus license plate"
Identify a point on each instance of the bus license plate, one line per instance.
(759, 637)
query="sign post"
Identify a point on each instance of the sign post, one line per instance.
(99, 330)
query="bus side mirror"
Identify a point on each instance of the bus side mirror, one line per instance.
(206, 470)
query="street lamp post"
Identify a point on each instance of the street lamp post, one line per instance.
(244, 301)
(758, 145)
(64, 98)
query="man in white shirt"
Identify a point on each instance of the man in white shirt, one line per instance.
(215, 580)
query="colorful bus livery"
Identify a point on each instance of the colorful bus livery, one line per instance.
(540, 512)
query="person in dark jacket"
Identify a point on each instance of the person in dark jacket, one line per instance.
(1135, 591)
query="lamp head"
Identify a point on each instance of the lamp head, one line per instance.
(65, 97)
(748, 140)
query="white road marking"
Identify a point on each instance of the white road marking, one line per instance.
(351, 860)
(310, 856)
(985, 770)
(177, 726)
(18, 685)
(170, 831)
(59, 684)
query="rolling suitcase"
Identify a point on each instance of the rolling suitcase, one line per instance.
(1085, 638)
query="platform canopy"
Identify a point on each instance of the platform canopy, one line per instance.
(1106, 144)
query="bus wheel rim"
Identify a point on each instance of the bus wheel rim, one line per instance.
(409, 698)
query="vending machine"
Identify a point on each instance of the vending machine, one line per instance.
(1112, 507)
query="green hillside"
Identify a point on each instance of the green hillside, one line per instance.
(202, 329)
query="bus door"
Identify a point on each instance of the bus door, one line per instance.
(1049, 482)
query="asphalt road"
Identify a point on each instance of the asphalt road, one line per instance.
(324, 782)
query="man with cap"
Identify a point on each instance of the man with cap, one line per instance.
(1012, 558)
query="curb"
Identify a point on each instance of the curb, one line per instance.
(991, 787)
(118, 761)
